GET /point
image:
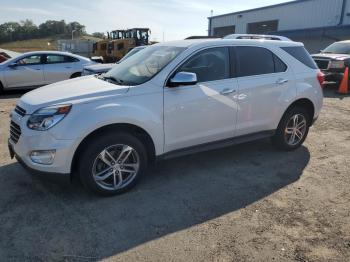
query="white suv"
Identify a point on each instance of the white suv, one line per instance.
(169, 99)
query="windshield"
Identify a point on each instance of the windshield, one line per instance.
(130, 53)
(142, 66)
(338, 48)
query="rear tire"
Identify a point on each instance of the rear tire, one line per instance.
(102, 167)
(292, 129)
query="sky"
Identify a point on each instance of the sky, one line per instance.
(173, 19)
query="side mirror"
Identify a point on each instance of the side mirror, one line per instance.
(183, 79)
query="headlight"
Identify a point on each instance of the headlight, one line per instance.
(337, 64)
(47, 117)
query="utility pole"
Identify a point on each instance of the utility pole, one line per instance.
(73, 34)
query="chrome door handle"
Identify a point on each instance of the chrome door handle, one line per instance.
(227, 91)
(281, 81)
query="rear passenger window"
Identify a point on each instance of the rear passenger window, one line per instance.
(300, 53)
(209, 65)
(258, 61)
(254, 61)
(54, 59)
(70, 59)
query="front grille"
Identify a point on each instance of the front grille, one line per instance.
(322, 64)
(19, 110)
(15, 132)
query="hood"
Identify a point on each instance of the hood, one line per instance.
(331, 56)
(74, 91)
(99, 67)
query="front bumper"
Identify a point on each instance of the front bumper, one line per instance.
(30, 140)
(55, 177)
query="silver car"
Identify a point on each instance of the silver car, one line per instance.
(34, 69)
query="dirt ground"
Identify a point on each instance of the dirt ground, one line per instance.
(244, 203)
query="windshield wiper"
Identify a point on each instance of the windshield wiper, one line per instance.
(111, 78)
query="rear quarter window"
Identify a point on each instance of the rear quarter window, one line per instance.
(301, 54)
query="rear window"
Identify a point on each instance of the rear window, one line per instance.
(300, 53)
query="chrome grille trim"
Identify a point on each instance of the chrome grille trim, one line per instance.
(322, 63)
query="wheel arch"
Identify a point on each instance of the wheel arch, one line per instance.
(305, 103)
(139, 132)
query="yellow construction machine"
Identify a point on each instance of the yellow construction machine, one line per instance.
(122, 42)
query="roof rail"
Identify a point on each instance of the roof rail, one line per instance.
(255, 37)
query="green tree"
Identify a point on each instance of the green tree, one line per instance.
(99, 35)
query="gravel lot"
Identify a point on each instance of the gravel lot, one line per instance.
(245, 203)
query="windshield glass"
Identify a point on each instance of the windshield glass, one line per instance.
(130, 53)
(338, 48)
(142, 66)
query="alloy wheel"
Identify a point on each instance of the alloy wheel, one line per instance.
(295, 129)
(116, 166)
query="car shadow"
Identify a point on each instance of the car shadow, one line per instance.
(13, 94)
(40, 219)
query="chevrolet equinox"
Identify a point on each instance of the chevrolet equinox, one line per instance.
(169, 99)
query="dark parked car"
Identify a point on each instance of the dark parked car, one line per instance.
(333, 60)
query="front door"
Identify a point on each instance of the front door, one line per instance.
(26, 72)
(204, 112)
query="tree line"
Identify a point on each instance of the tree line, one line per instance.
(23, 30)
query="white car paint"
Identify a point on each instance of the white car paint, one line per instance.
(18, 76)
(174, 118)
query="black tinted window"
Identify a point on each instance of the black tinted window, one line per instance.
(279, 65)
(209, 65)
(300, 53)
(254, 61)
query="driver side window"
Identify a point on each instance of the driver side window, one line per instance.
(30, 60)
(209, 65)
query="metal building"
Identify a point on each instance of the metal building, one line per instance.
(76, 46)
(316, 23)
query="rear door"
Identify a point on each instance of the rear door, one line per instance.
(265, 82)
(26, 72)
(58, 67)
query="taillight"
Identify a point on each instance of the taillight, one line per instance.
(321, 78)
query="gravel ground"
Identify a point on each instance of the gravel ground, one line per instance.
(244, 203)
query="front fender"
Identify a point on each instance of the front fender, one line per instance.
(85, 119)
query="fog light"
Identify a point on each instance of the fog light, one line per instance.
(44, 157)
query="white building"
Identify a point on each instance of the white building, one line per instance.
(317, 23)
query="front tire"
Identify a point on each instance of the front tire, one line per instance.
(112, 163)
(292, 129)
